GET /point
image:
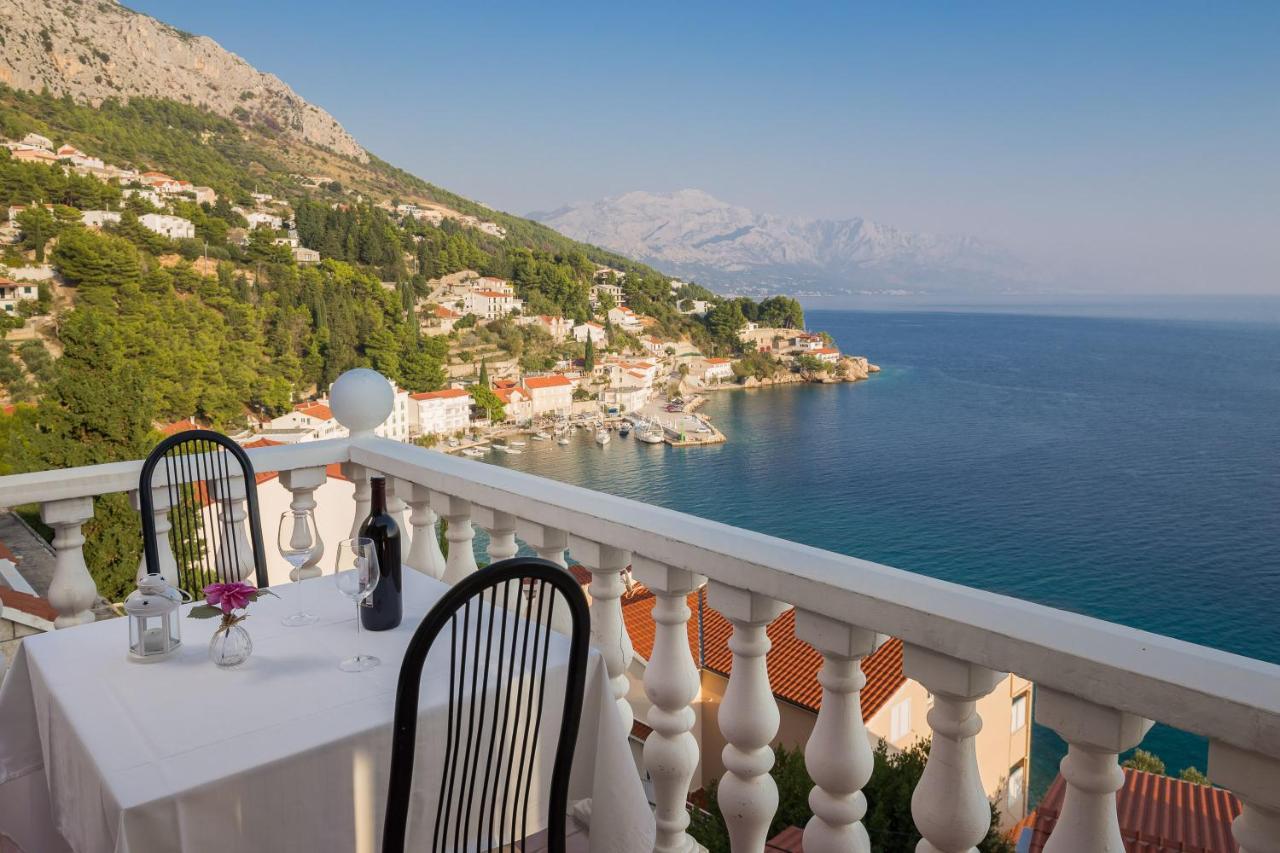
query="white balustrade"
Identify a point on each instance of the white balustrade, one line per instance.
(747, 795)
(233, 556)
(160, 504)
(1095, 736)
(461, 561)
(838, 755)
(501, 528)
(672, 683)
(72, 591)
(608, 631)
(362, 494)
(949, 806)
(397, 490)
(1255, 779)
(302, 484)
(424, 551)
(549, 543)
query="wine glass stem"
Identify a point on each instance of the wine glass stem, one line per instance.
(358, 629)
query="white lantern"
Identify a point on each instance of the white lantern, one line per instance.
(154, 626)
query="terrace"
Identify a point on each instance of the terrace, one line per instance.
(1099, 685)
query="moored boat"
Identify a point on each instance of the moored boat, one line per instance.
(602, 436)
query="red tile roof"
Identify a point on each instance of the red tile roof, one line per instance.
(315, 410)
(827, 351)
(445, 313)
(717, 361)
(533, 382)
(493, 294)
(32, 605)
(787, 841)
(793, 664)
(447, 393)
(184, 425)
(1158, 814)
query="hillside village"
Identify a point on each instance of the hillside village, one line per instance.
(510, 358)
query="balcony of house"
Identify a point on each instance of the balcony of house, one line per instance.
(685, 611)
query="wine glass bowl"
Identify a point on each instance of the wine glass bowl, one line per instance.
(356, 574)
(299, 542)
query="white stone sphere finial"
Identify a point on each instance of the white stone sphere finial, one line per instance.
(361, 400)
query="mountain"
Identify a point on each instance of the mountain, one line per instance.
(98, 49)
(695, 235)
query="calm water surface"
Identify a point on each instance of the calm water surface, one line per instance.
(1125, 469)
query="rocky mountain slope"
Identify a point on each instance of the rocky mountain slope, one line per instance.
(693, 234)
(98, 49)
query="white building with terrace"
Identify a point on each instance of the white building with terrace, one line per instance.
(1098, 685)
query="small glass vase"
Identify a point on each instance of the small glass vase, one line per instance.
(230, 646)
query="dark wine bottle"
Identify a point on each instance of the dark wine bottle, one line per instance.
(385, 606)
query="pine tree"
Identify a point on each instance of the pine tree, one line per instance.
(484, 373)
(589, 357)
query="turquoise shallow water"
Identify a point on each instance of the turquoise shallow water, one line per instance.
(1125, 469)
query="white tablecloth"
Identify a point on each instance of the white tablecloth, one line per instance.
(286, 753)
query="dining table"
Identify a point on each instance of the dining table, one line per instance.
(101, 754)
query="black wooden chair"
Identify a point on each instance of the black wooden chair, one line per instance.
(197, 468)
(485, 783)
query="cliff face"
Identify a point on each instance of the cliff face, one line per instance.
(97, 49)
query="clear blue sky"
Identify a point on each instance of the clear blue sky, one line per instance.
(1136, 146)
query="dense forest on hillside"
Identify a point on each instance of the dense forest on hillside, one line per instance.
(227, 325)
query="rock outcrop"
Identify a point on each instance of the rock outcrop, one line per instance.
(98, 49)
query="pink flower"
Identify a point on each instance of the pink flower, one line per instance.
(229, 596)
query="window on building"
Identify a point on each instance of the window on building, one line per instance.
(1016, 783)
(900, 723)
(1019, 713)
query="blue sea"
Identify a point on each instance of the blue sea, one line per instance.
(1126, 469)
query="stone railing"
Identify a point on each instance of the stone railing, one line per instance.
(1100, 685)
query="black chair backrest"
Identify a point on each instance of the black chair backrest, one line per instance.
(486, 780)
(198, 467)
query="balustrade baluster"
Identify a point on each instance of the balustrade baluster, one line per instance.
(838, 755)
(235, 557)
(608, 631)
(949, 805)
(72, 590)
(424, 551)
(168, 568)
(462, 559)
(302, 484)
(363, 494)
(672, 684)
(548, 542)
(397, 490)
(748, 717)
(1095, 737)
(501, 528)
(1255, 779)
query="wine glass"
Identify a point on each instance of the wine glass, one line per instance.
(356, 574)
(300, 545)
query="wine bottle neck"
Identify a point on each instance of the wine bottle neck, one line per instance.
(379, 497)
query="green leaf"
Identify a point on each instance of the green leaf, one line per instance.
(263, 592)
(204, 611)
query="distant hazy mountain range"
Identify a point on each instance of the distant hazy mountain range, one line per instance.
(694, 235)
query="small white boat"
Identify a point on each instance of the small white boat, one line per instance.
(563, 441)
(501, 448)
(513, 451)
(542, 435)
(650, 433)
(453, 442)
(515, 444)
(602, 437)
(472, 451)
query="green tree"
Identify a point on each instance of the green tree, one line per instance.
(1191, 774)
(484, 373)
(487, 399)
(589, 355)
(1143, 760)
(37, 226)
(88, 259)
(724, 321)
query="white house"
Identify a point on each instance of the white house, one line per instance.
(627, 398)
(614, 291)
(516, 401)
(695, 307)
(439, 321)
(174, 227)
(303, 255)
(257, 219)
(490, 304)
(12, 292)
(558, 327)
(442, 412)
(205, 195)
(79, 158)
(550, 395)
(98, 218)
(150, 196)
(38, 141)
(488, 282)
(807, 343)
(830, 355)
(717, 370)
(595, 330)
(625, 319)
(313, 421)
(399, 423)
